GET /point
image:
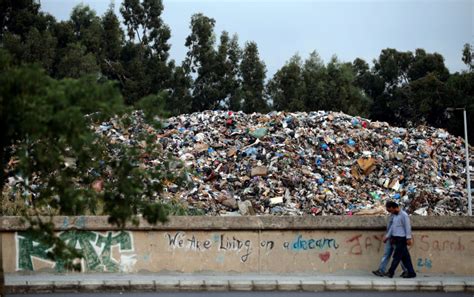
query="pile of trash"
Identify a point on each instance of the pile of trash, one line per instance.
(316, 163)
(320, 163)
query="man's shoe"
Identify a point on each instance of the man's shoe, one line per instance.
(409, 275)
(388, 274)
(404, 273)
(378, 273)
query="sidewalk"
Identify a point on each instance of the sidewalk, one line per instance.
(48, 283)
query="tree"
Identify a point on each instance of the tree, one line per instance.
(424, 101)
(468, 56)
(179, 99)
(372, 84)
(201, 59)
(144, 23)
(135, 82)
(253, 77)
(315, 82)
(405, 76)
(25, 32)
(46, 132)
(111, 47)
(425, 63)
(286, 88)
(76, 62)
(461, 88)
(235, 57)
(87, 29)
(36, 47)
(227, 70)
(393, 66)
(112, 35)
(146, 49)
(344, 95)
(18, 17)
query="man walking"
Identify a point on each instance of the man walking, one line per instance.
(400, 235)
(387, 254)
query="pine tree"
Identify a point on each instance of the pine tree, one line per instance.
(112, 42)
(201, 59)
(146, 69)
(286, 88)
(253, 79)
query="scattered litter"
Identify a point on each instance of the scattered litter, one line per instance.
(316, 163)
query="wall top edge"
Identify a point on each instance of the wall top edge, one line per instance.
(12, 224)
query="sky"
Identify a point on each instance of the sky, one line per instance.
(346, 28)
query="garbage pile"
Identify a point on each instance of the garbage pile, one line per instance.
(319, 163)
(316, 163)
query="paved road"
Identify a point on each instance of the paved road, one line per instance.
(257, 294)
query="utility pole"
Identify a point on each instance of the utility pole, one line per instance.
(468, 166)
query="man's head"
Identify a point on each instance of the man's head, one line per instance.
(392, 207)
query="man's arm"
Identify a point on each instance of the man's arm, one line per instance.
(390, 221)
(407, 226)
(388, 234)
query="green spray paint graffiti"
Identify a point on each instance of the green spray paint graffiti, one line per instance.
(96, 249)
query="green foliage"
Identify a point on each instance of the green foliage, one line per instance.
(393, 66)
(286, 88)
(38, 47)
(314, 79)
(111, 46)
(18, 17)
(311, 85)
(153, 107)
(425, 64)
(87, 28)
(76, 62)
(58, 157)
(179, 99)
(112, 35)
(144, 68)
(201, 59)
(461, 87)
(468, 56)
(227, 70)
(253, 77)
(144, 23)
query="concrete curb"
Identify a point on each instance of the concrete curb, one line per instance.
(361, 285)
(470, 286)
(407, 285)
(216, 285)
(313, 286)
(236, 285)
(170, 285)
(241, 285)
(142, 286)
(287, 285)
(385, 285)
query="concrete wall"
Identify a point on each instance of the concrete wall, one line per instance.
(244, 244)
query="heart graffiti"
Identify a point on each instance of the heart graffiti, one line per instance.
(324, 256)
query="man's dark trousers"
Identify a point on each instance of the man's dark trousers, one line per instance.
(401, 254)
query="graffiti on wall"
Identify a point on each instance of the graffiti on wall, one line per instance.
(95, 247)
(424, 262)
(370, 244)
(244, 247)
(360, 244)
(116, 252)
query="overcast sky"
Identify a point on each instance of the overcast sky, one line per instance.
(349, 29)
